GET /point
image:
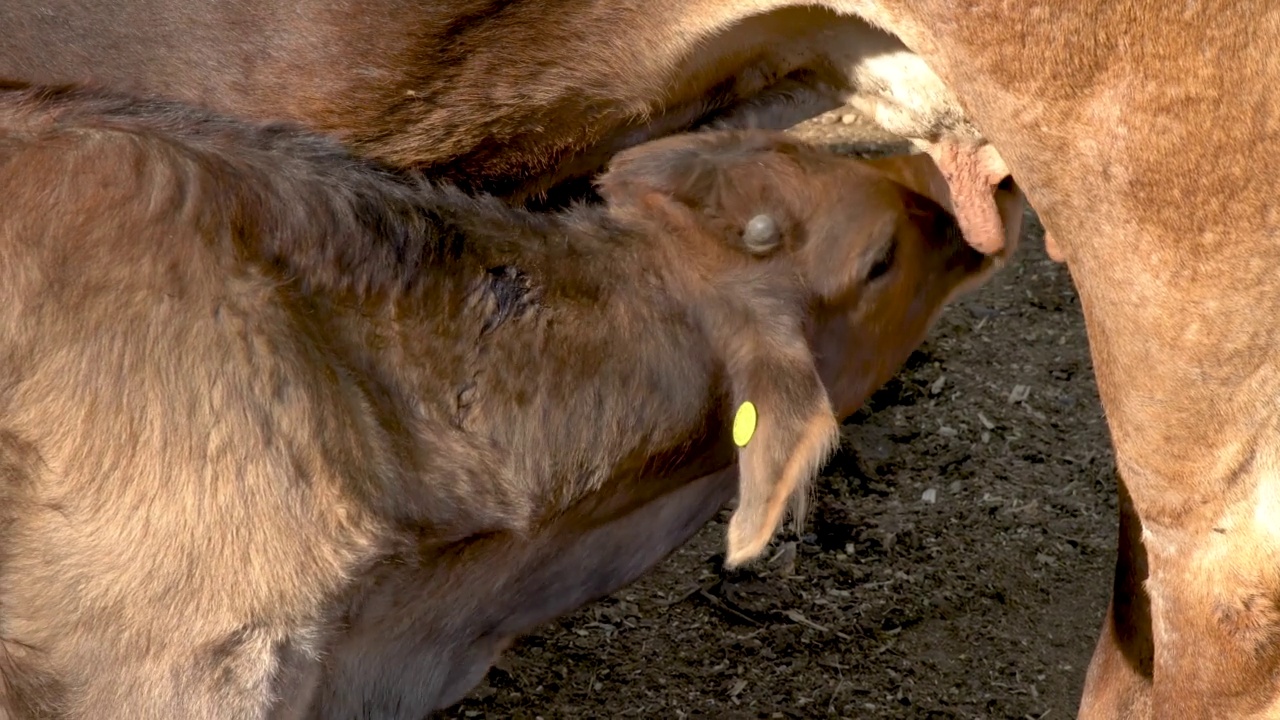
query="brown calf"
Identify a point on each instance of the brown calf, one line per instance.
(428, 625)
(268, 412)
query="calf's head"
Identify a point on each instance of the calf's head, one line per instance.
(829, 272)
(863, 333)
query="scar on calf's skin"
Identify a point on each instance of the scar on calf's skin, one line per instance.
(510, 293)
(504, 292)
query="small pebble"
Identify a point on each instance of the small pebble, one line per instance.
(930, 496)
(937, 385)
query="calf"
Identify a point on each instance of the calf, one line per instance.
(427, 626)
(274, 419)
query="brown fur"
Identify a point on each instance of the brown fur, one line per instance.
(1144, 134)
(516, 98)
(269, 412)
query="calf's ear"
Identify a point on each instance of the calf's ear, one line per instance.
(785, 429)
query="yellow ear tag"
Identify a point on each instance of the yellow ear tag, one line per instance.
(744, 424)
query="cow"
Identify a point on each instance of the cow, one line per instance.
(1144, 134)
(287, 432)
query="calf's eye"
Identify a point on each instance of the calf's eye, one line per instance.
(884, 261)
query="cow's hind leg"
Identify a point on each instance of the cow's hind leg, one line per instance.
(1118, 684)
(1213, 579)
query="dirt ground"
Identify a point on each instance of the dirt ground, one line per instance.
(955, 565)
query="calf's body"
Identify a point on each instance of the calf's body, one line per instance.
(285, 433)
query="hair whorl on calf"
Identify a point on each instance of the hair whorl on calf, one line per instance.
(762, 234)
(744, 187)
